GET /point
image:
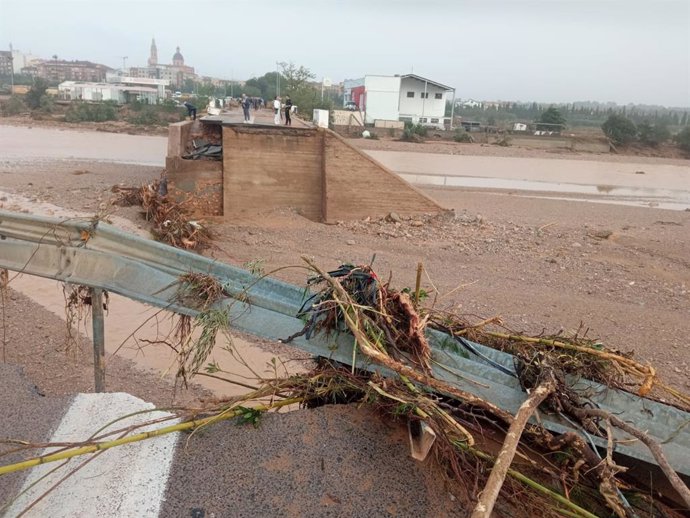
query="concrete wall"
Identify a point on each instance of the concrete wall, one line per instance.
(378, 123)
(178, 136)
(266, 168)
(198, 183)
(346, 118)
(562, 142)
(311, 170)
(358, 186)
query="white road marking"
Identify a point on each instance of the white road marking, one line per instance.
(124, 482)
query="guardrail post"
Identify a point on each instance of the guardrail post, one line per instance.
(98, 338)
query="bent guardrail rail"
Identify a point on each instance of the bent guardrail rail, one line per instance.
(98, 255)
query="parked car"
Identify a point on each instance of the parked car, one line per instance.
(351, 106)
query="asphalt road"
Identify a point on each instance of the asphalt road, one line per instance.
(330, 461)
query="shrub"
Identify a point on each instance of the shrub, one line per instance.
(552, 116)
(85, 112)
(653, 135)
(682, 139)
(33, 96)
(168, 105)
(620, 130)
(147, 116)
(462, 136)
(47, 104)
(12, 106)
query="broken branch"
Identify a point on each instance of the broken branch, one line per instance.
(493, 486)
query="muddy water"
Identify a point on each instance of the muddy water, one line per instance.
(125, 317)
(657, 185)
(130, 327)
(643, 196)
(20, 143)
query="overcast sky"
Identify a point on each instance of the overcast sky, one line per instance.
(544, 50)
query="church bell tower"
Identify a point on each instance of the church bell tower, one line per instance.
(153, 58)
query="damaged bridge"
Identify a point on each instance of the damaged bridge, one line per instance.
(260, 167)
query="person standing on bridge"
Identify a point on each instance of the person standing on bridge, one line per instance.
(276, 110)
(246, 105)
(191, 109)
(288, 109)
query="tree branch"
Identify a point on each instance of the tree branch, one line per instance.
(493, 486)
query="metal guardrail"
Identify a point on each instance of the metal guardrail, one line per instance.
(95, 254)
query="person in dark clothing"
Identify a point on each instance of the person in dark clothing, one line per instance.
(288, 109)
(246, 104)
(191, 109)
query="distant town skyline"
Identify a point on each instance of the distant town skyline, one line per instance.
(522, 50)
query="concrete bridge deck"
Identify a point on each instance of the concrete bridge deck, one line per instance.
(263, 116)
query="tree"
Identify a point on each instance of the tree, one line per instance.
(552, 116)
(33, 96)
(619, 129)
(188, 85)
(653, 135)
(264, 85)
(296, 82)
(206, 89)
(296, 78)
(683, 139)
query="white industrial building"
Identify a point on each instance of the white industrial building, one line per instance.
(121, 94)
(159, 84)
(117, 88)
(407, 98)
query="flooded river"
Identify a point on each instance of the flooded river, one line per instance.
(631, 183)
(634, 183)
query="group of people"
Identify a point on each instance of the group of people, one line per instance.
(279, 108)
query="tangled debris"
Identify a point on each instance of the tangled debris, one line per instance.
(195, 338)
(171, 221)
(386, 326)
(504, 464)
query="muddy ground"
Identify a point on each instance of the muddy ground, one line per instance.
(620, 273)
